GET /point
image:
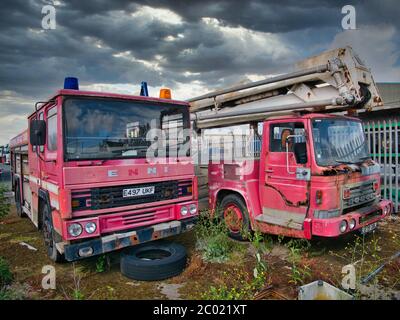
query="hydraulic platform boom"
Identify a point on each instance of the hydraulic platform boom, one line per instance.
(333, 81)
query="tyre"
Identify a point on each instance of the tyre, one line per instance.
(48, 235)
(234, 213)
(18, 204)
(153, 261)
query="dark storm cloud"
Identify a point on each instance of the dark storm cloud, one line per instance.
(68, 48)
(114, 42)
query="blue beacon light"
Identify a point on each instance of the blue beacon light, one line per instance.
(71, 83)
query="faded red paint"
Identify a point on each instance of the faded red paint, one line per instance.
(265, 183)
(50, 173)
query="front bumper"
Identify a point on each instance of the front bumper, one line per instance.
(117, 241)
(363, 217)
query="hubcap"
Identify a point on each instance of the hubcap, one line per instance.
(233, 218)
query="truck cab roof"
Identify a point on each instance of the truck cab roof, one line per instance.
(97, 94)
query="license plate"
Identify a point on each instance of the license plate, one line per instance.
(369, 228)
(136, 192)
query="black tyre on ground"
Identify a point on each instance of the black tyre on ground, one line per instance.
(156, 260)
(48, 235)
(234, 213)
(18, 204)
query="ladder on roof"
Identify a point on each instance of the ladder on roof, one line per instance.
(333, 81)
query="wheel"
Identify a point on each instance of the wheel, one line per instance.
(48, 235)
(18, 204)
(153, 261)
(234, 213)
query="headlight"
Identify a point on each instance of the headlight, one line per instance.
(343, 226)
(90, 227)
(192, 208)
(184, 211)
(75, 229)
(352, 224)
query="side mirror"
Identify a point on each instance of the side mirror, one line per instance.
(37, 133)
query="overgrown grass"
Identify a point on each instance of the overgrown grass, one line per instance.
(239, 283)
(6, 278)
(15, 291)
(4, 202)
(241, 286)
(5, 273)
(300, 272)
(212, 239)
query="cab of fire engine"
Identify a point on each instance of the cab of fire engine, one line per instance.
(104, 128)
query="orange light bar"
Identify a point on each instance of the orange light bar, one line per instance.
(165, 93)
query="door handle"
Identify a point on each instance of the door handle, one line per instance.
(269, 170)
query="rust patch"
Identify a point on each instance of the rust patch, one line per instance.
(287, 201)
(156, 235)
(134, 239)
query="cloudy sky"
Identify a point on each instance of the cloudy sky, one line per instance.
(189, 46)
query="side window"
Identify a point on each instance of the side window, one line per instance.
(52, 129)
(41, 148)
(34, 147)
(280, 131)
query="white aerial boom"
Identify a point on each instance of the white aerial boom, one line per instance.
(333, 81)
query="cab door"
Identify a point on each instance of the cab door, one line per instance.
(285, 189)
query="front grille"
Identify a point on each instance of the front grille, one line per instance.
(360, 194)
(370, 216)
(123, 220)
(111, 197)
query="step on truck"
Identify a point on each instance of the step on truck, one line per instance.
(313, 175)
(96, 172)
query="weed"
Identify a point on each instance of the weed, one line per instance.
(77, 294)
(260, 242)
(5, 273)
(364, 253)
(299, 245)
(16, 291)
(244, 286)
(101, 264)
(299, 272)
(4, 202)
(241, 289)
(280, 238)
(110, 293)
(212, 239)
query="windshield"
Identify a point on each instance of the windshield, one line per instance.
(108, 129)
(339, 141)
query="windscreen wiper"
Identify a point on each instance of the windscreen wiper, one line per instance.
(365, 158)
(361, 160)
(346, 162)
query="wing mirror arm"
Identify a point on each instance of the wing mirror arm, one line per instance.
(287, 150)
